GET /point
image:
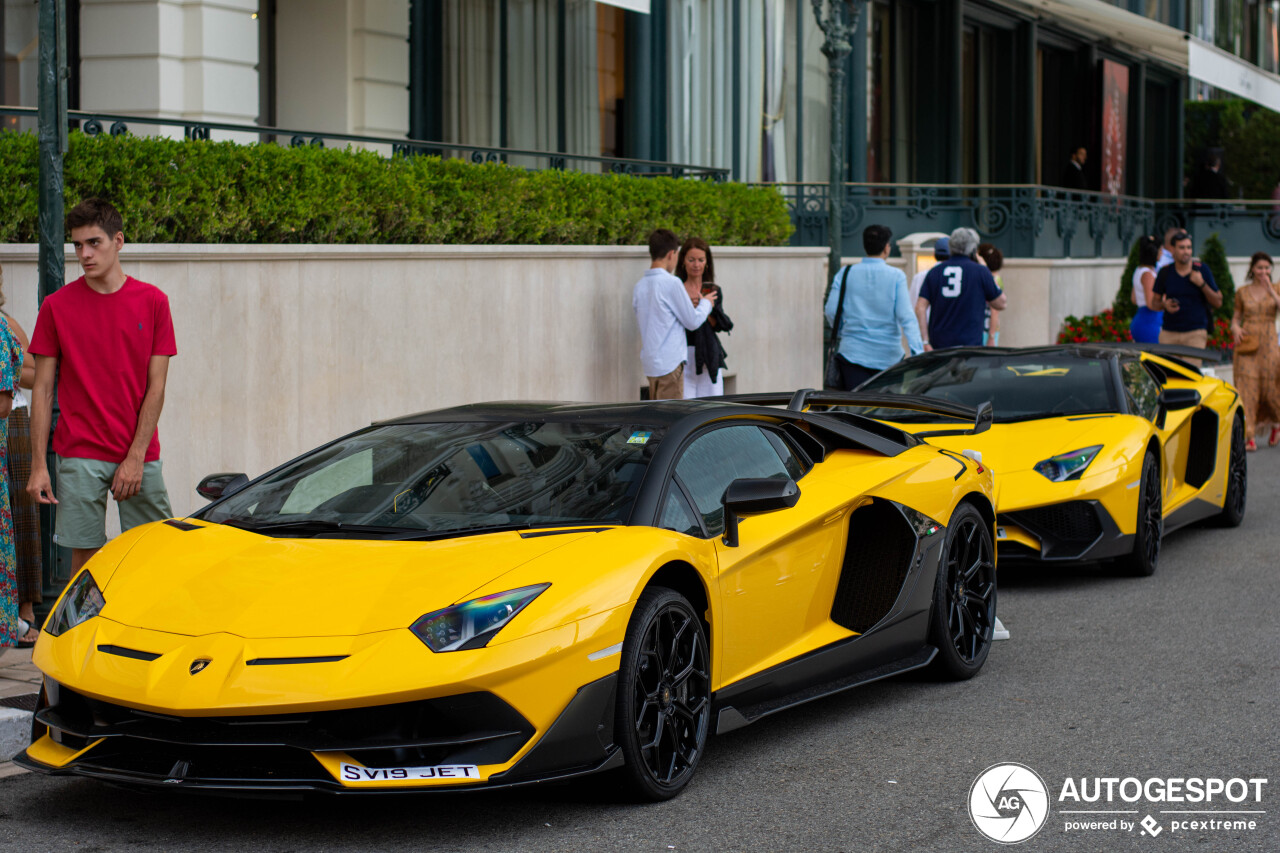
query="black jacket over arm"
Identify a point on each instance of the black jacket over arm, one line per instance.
(709, 356)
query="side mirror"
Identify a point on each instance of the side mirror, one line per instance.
(221, 485)
(1172, 399)
(751, 496)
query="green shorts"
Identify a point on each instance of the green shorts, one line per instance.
(81, 511)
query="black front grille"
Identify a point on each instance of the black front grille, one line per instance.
(146, 761)
(1073, 522)
(471, 728)
(1016, 551)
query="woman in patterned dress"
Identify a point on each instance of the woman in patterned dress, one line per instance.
(1255, 374)
(10, 365)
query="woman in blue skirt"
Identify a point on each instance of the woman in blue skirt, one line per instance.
(1145, 327)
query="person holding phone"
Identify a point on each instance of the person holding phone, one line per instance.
(1186, 292)
(704, 375)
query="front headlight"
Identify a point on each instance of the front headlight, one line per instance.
(1068, 466)
(473, 624)
(82, 602)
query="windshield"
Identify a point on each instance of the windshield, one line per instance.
(1019, 386)
(451, 478)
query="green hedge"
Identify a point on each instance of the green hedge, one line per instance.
(176, 191)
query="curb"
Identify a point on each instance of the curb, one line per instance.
(15, 731)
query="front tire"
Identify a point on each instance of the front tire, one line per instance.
(964, 598)
(1142, 561)
(1237, 479)
(664, 695)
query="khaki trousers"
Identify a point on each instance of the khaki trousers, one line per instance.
(669, 387)
(1198, 338)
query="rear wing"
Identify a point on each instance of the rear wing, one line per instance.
(1172, 352)
(808, 398)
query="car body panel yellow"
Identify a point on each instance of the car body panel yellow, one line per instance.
(224, 579)
(382, 668)
(53, 754)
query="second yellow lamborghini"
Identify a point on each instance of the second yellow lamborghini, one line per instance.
(1098, 449)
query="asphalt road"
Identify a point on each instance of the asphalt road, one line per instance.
(1170, 676)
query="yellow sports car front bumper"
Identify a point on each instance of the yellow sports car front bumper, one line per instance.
(219, 712)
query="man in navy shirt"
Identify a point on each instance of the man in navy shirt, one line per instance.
(955, 295)
(1186, 292)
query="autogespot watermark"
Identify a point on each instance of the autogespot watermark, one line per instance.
(1010, 802)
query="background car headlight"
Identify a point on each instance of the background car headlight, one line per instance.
(83, 601)
(472, 624)
(1068, 466)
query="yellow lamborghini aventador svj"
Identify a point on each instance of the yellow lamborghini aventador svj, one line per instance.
(1098, 449)
(508, 593)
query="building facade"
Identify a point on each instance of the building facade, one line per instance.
(968, 98)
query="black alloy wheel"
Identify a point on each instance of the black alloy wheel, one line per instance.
(664, 695)
(964, 601)
(1142, 560)
(1233, 503)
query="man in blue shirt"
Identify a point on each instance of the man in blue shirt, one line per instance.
(877, 312)
(955, 296)
(664, 310)
(1186, 292)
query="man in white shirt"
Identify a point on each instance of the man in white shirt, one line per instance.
(664, 311)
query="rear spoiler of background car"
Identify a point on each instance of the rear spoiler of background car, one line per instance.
(806, 399)
(1176, 354)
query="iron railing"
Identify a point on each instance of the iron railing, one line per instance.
(1245, 226)
(1030, 220)
(1023, 220)
(94, 123)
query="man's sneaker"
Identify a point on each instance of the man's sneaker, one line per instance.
(1000, 632)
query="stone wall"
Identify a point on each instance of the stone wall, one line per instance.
(284, 347)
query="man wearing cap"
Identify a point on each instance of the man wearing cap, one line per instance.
(941, 251)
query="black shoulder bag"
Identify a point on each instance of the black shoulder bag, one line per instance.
(833, 379)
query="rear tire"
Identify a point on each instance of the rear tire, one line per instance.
(664, 696)
(964, 597)
(1237, 492)
(1149, 530)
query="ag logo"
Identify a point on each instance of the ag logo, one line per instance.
(199, 665)
(1008, 803)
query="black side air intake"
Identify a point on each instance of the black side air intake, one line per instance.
(1202, 452)
(876, 560)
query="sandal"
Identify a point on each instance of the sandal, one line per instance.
(1275, 437)
(25, 628)
(1251, 445)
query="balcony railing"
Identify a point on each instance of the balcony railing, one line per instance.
(92, 124)
(1029, 220)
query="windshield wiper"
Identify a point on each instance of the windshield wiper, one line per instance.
(312, 525)
(494, 528)
(394, 534)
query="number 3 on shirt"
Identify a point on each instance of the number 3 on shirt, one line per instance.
(952, 287)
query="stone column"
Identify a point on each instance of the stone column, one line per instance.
(193, 60)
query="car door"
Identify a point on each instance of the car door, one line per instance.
(1175, 434)
(777, 584)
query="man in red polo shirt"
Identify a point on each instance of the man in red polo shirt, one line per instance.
(107, 338)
